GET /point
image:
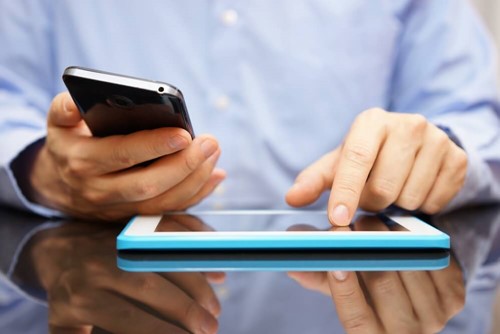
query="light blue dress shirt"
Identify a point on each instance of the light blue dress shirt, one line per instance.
(277, 82)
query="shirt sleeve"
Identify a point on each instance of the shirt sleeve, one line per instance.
(445, 69)
(25, 90)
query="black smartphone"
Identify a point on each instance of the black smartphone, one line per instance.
(113, 104)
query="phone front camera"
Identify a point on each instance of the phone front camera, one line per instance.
(161, 89)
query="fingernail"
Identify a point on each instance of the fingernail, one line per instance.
(209, 324)
(214, 307)
(339, 275)
(214, 157)
(221, 173)
(340, 215)
(208, 147)
(178, 142)
(68, 105)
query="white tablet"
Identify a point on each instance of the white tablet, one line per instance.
(283, 230)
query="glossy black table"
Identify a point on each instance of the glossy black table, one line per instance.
(71, 267)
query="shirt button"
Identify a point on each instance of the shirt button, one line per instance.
(229, 17)
(221, 103)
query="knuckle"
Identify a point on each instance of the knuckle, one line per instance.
(440, 139)
(372, 113)
(346, 188)
(157, 147)
(461, 160)
(122, 156)
(95, 269)
(192, 313)
(384, 189)
(356, 322)
(76, 162)
(431, 208)
(191, 163)
(95, 196)
(418, 123)
(358, 154)
(454, 302)
(346, 295)
(77, 167)
(384, 285)
(409, 201)
(80, 302)
(145, 189)
(370, 116)
(124, 312)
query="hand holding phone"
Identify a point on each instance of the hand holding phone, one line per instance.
(99, 177)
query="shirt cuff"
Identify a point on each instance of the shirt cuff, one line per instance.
(11, 193)
(482, 181)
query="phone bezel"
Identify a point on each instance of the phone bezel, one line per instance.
(161, 88)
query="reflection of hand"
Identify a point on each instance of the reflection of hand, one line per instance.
(386, 158)
(98, 178)
(76, 264)
(185, 222)
(390, 302)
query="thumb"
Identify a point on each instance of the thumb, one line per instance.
(63, 111)
(313, 181)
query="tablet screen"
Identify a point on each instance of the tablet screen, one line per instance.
(301, 221)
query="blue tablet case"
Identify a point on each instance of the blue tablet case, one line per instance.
(291, 241)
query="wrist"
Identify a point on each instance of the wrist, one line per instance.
(25, 168)
(41, 185)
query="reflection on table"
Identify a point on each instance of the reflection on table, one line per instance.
(71, 265)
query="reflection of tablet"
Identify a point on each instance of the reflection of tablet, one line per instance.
(285, 230)
(280, 260)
